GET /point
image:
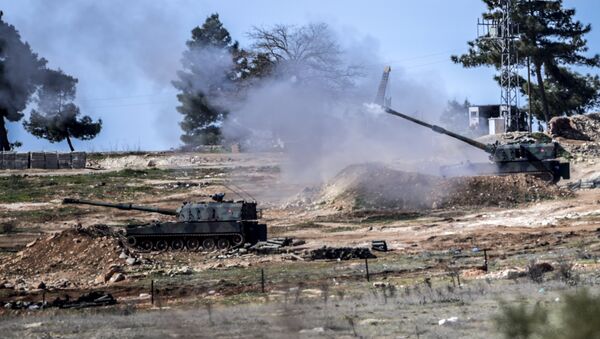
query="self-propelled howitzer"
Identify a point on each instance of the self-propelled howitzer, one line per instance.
(207, 225)
(536, 158)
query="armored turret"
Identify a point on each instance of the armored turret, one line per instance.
(537, 158)
(205, 225)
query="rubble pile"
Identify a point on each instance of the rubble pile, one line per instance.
(275, 245)
(588, 182)
(498, 190)
(92, 299)
(341, 253)
(71, 258)
(376, 187)
(579, 127)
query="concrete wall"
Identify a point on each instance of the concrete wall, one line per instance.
(42, 160)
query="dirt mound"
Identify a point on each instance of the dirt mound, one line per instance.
(579, 127)
(376, 187)
(71, 258)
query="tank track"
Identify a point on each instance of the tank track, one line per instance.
(189, 242)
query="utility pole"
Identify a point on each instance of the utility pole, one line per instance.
(529, 94)
(504, 33)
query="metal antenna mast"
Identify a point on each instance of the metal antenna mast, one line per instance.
(505, 34)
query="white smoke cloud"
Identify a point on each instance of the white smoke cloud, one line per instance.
(324, 129)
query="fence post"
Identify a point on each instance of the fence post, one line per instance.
(485, 260)
(262, 280)
(367, 268)
(152, 292)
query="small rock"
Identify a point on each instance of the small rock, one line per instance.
(448, 321)
(144, 296)
(298, 242)
(132, 261)
(99, 280)
(32, 325)
(371, 322)
(117, 277)
(185, 270)
(381, 284)
(123, 255)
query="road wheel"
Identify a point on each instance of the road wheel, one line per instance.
(177, 245)
(146, 245)
(161, 245)
(131, 241)
(193, 244)
(237, 240)
(208, 244)
(223, 243)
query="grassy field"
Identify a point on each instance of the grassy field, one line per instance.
(119, 185)
(360, 310)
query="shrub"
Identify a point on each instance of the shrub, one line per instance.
(535, 271)
(577, 318)
(518, 322)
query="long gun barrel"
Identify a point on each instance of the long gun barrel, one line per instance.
(120, 206)
(438, 129)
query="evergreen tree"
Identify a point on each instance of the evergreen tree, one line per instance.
(553, 40)
(20, 71)
(56, 117)
(206, 77)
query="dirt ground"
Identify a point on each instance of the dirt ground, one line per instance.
(432, 242)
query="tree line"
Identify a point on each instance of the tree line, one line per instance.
(26, 80)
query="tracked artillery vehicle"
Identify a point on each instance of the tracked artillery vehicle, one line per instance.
(539, 159)
(204, 225)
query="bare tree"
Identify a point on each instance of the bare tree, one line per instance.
(307, 53)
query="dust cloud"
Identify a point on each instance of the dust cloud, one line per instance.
(325, 128)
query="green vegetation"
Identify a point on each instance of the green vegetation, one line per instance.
(297, 227)
(44, 214)
(339, 229)
(121, 185)
(577, 317)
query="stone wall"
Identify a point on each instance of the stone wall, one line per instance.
(42, 160)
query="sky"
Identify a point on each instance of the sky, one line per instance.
(125, 53)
